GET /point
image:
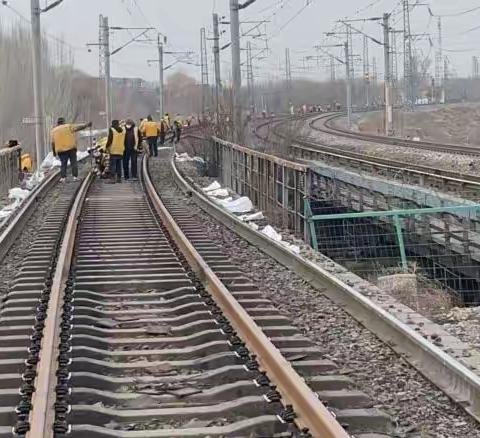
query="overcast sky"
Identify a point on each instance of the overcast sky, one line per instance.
(297, 24)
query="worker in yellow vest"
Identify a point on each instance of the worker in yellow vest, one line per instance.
(116, 147)
(150, 131)
(64, 144)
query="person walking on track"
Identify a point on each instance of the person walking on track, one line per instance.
(163, 131)
(133, 140)
(116, 147)
(64, 145)
(151, 132)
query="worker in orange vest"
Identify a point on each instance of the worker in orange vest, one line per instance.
(116, 147)
(64, 144)
(150, 131)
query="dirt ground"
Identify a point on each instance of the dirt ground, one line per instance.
(455, 123)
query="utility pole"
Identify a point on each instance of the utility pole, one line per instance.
(108, 82)
(366, 71)
(216, 56)
(37, 84)
(236, 70)
(374, 77)
(439, 64)
(161, 94)
(332, 69)
(349, 86)
(204, 70)
(288, 76)
(250, 79)
(475, 67)
(389, 130)
(408, 60)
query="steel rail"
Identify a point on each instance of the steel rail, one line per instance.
(293, 389)
(16, 224)
(329, 128)
(453, 378)
(422, 172)
(42, 415)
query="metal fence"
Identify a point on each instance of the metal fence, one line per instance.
(276, 186)
(9, 168)
(442, 244)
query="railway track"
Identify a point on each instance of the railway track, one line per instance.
(326, 124)
(307, 149)
(143, 328)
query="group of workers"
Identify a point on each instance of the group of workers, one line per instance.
(124, 143)
(156, 132)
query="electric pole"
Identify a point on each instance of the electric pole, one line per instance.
(204, 70)
(332, 69)
(250, 79)
(389, 130)
(161, 94)
(236, 70)
(288, 77)
(366, 71)
(216, 56)
(475, 67)
(37, 84)
(408, 60)
(439, 64)
(108, 86)
(349, 86)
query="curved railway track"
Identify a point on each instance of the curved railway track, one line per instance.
(307, 149)
(326, 124)
(133, 324)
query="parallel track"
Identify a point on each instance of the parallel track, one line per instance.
(327, 126)
(143, 328)
(305, 149)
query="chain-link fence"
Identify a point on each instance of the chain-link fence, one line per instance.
(441, 244)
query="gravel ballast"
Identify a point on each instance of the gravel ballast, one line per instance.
(14, 258)
(418, 408)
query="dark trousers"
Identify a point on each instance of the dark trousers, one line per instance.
(162, 138)
(116, 165)
(130, 163)
(152, 144)
(65, 157)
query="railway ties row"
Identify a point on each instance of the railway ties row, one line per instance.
(139, 347)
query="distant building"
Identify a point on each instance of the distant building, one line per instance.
(136, 83)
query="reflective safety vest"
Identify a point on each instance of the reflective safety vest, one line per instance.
(63, 137)
(151, 129)
(26, 162)
(118, 142)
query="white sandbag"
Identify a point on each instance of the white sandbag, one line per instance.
(34, 179)
(269, 231)
(4, 214)
(18, 194)
(214, 186)
(219, 193)
(252, 217)
(8, 210)
(293, 248)
(50, 161)
(223, 202)
(253, 225)
(81, 155)
(183, 157)
(240, 205)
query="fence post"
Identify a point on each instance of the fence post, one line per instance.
(401, 243)
(311, 224)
